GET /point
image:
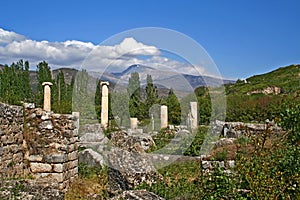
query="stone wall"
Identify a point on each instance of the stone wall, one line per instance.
(11, 146)
(52, 145)
(39, 144)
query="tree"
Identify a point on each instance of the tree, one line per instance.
(151, 94)
(15, 83)
(43, 75)
(174, 109)
(98, 99)
(62, 94)
(136, 107)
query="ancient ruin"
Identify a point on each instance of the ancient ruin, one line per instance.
(47, 95)
(164, 116)
(104, 104)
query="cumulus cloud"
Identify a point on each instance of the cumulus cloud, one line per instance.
(9, 36)
(72, 53)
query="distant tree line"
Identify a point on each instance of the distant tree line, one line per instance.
(15, 86)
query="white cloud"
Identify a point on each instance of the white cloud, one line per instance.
(131, 47)
(9, 36)
(72, 53)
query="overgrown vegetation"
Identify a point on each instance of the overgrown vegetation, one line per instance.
(91, 181)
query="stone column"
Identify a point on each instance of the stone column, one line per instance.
(152, 123)
(194, 115)
(133, 123)
(47, 95)
(104, 105)
(163, 117)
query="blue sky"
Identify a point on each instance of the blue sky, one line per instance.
(242, 37)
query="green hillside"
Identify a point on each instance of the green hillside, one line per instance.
(259, 97)
(285, 78)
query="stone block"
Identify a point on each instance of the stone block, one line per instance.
(73, 140)
(29, 105)
(40, 167)
(18, 157)
(2, 151)
(58, 168)
(67, 175)
(71, 148)
(7, 156)
(74, 172)
(4, 139)
(18, 138)
(46, 125)
(59, 177)
(68, 133)
(55, 158)
(73, 155)
(10, 139)
(41, 175)
(231, 163)
(61, 186)
(72, 164)
(35, 158)
(14, 148)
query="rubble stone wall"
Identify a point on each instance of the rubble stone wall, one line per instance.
(37, 143)
(52, 145)
(11, 137)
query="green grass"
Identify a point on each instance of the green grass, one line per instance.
(287, 78)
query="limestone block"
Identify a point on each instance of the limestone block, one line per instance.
(231, 163)
(29, 105)
(18, 157)
(73, 164)
(73, 155)
(10, 139)
(137, 194)
(73, 140)
(14, 148)
(46, 125)
(71, 148)
(133, 123)
(74, 172)
(18, 138)
(46, 116)
(4, 139)
(55, 158)
(58, 167)
(40, 167)
(35, 158)
(58, 176)
(92, 158)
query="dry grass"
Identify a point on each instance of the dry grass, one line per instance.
(85, 188)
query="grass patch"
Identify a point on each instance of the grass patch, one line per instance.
(90, 181)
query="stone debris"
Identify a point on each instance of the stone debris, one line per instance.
(129, 169)
(30, 190)
(137, 195)
(91, 158)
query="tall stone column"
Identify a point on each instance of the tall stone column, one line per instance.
(163, 117)
(47, 95)
(194, 115)
(104, 105)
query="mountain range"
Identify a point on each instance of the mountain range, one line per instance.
(165, 78)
